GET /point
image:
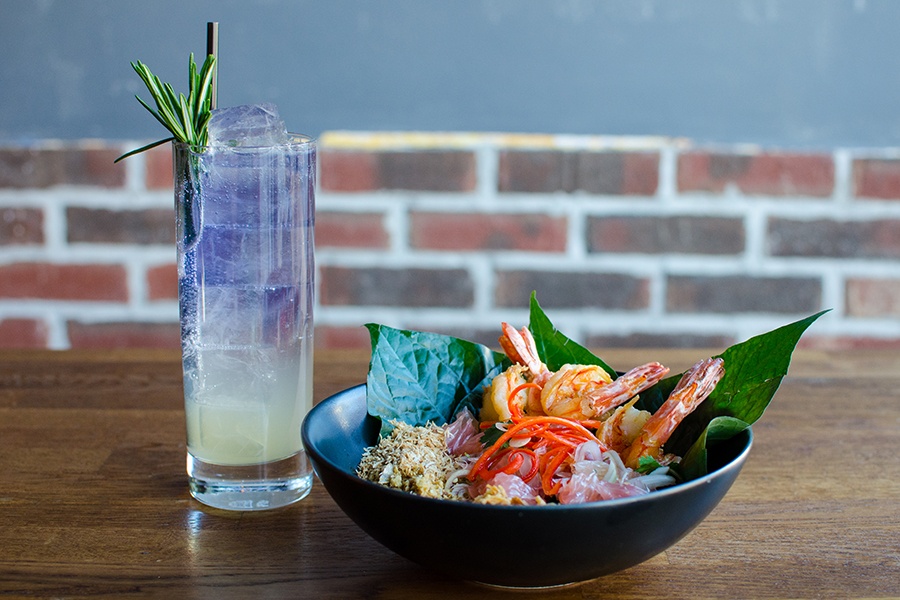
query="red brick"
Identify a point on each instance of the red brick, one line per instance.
(431, 170)
(742, 294)
(351, 230)
(873, 297)
(639, 175)
(99, 168)
(348, 171)
(162, 282)
(71, 165)
(661, 235)
(158, 168)
(412, 287)
(468, 231)
(619, 173)
(535, 172)
(773, 174)
(124, 335)
(95, 225)
(571, 289)
(876, 178)
(334, 337)
(64, 281)
(23, 333)
(21, 226)
(836, 239)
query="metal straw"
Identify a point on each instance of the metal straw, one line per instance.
(212, 47)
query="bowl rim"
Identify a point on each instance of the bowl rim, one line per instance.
(661, 494)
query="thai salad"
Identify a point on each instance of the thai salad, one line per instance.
(546, 421)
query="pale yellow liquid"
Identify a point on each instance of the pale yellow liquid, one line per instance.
(245, 406)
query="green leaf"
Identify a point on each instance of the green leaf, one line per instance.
(754, 370)
(490, 435)
(647, 464)
(554, 348)
(418, 377)
(694, 463)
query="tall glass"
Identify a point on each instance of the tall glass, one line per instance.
(244, 221)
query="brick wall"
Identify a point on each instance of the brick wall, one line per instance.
(628, 241)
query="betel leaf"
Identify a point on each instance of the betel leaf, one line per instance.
(419, 377)
(554, 348)
(694, 463)
(754, 370)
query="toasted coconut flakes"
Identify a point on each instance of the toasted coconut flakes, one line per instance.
(412, 459)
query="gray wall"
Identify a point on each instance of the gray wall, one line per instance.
(797, 73)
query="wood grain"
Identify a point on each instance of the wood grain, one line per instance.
(94, 501)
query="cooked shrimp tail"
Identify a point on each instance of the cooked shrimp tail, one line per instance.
(694, 387)
(623, 389)
(520, 347)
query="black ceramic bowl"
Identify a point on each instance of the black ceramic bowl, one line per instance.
(517, 546)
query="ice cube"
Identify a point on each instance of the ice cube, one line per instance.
(247, 125)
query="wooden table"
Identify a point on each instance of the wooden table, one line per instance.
(94, 500)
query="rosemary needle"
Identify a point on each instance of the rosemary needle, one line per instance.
(186, 117)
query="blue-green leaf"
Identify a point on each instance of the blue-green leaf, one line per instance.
(419, 377)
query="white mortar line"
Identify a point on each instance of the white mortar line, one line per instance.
(755, 228)
(668, 175)
(577, 234)
(833, 292)
(136, 172)
(57, 332)
(136, 283)
(843, 177)
(55, 228)
(482, 273)
(487, 165)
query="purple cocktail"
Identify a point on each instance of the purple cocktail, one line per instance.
(246, 278)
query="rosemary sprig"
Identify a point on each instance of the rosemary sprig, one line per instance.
(186, 117)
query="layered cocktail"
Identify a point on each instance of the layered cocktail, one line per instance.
(245, 206)
(245, 219)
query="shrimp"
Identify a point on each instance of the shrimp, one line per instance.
(520, 347)
(528, 375)
(627, 386)
(623, 426)
(694, 387)
(566, 390)
(496, 403)
(574, 391)
(587, 391)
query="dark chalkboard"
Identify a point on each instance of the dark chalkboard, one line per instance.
(807, 73)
